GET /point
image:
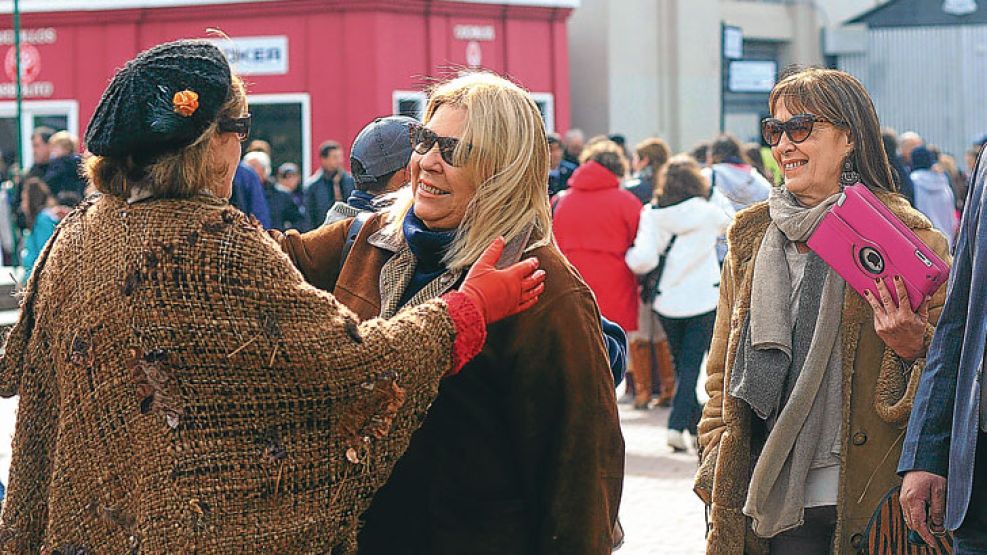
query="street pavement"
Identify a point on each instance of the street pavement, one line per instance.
(660, 513)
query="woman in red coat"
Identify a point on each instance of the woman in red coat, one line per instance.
(595, 223)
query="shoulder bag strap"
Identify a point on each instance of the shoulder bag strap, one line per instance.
(355, 226)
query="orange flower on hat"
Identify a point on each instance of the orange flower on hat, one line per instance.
(185, 102)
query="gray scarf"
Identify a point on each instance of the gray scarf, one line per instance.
(784, 369)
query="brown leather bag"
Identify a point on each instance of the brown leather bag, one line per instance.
(617, 535)
(887, 534)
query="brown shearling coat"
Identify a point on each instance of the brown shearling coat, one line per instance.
(877, 399)
(522, 451)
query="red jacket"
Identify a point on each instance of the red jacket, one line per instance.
(595, 223)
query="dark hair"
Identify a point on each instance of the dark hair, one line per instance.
(259, 145)
(38, 193)
(656, 152)
(890, 140)
(68, 198)
(840, 97)
(681, 180)
(327, 147)
(699, 152)
(554, 139)
(752, 152)
(608, 154)
(924, 158)
(724, 147)
(379, 186)
(44, 132)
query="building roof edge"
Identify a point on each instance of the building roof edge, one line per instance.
(40, 6)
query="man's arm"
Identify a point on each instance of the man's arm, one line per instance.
(925, 454)
(926, 445)
(317, 254)
(616, 342)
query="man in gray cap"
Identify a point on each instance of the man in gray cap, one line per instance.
(379, 161)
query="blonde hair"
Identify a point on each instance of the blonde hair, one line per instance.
(64, 139)
(508, 158)
(180, 174)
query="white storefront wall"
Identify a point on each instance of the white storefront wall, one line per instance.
(931, 80)
(646, 67)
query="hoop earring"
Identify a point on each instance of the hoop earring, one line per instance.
(849, 175)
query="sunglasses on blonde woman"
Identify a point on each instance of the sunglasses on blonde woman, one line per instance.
(423, 139)
(798, 128)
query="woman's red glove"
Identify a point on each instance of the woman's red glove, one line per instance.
(502, 293)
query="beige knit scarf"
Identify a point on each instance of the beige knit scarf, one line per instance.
(782, 366)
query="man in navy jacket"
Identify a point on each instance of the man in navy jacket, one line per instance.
(944, 457)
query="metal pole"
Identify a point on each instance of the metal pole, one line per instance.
(723, 78)
(16, 254)
(20, 115)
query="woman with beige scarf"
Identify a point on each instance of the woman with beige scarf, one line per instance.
(810, 384)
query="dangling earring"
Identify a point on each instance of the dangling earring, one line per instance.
(849, 176)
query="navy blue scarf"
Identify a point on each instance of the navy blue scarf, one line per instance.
(428, 247)
(362, 201)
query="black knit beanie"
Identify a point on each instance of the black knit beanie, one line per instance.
(161, 101)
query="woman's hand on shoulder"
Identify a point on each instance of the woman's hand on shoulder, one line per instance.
(901, 328)
(502, 293)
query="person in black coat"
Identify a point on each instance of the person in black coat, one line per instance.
(330, 185)
(901, 174)
(64, 164)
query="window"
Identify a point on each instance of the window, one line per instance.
(57, 114)
(284, 121)
(546, 105)
(409, 103)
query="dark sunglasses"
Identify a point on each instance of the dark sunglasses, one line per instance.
(798, 128)
(240, 126)
(423, 139)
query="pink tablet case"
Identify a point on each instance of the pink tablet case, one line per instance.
(863, 241)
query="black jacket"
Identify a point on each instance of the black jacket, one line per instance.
(319, 195)
(63, 175)
(642, 186)
(285, 214)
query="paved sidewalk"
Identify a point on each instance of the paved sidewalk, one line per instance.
(659, 511)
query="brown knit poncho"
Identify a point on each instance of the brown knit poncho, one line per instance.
(182, 390)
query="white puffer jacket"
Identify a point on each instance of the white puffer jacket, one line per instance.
(690, 281)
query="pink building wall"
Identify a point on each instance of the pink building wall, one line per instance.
(348, 55)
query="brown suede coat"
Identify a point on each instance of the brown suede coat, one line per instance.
(877, 399)
(521, 451)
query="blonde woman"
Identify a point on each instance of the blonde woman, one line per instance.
(522, 453)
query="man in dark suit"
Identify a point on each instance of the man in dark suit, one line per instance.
(944, 457)
(331, 184)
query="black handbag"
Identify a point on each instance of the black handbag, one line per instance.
(649, 282)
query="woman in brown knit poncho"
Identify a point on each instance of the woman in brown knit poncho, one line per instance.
(182, 390)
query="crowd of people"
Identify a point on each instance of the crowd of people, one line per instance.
(421, 356)
(665, 272)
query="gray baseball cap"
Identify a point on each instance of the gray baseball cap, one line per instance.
(382, 147)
